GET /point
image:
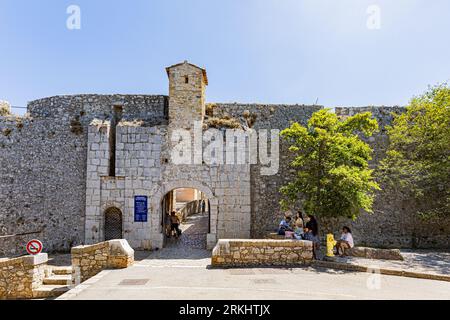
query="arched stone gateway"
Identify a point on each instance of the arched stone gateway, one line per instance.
(113, 224)
(156, 209)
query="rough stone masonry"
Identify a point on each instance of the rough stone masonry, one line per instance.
(72, 161)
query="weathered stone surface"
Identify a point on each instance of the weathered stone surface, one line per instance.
(89, 260)
(19, 277)
(260, 252)
(374, 253)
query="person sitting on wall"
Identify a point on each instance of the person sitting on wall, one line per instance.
(175, 224)
(298, 219)
(307, 234)
(285, 225)
(298, 231)
(346, 241)
(312, 224)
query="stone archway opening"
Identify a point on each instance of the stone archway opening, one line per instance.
(113, 226)
(193, 209)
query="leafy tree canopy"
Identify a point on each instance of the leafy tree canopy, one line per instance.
(333, 176)
(418, 158)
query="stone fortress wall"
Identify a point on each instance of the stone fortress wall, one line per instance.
(43, 166)
(55, 171)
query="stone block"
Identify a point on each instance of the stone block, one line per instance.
(248, 252)
(92, 259)
(374, 253)
(34, 260)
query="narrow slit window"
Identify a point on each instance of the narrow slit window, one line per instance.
(186, 79)
(116, 117)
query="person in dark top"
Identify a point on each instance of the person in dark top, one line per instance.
(312, 225)
(203, 206)
(285, 225)
(312, 233)
(174, 224)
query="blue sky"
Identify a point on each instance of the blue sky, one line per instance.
(270, 51)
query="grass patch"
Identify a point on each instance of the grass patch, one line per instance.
(209, 109)
(225, 122)
(250, 118)
(4, 111)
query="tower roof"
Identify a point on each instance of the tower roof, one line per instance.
(205, 77)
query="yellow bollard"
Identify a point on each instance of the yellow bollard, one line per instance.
(330, 245)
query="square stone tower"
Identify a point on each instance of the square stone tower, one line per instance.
(187, 84)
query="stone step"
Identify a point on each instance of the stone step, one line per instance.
(49, 291)
(58, 280)
(61, 270)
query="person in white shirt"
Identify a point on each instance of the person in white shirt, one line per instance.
(346, 241)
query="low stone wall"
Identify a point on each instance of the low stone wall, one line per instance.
(261, 252)
(20, 276)
(89, 260)
(374, 253)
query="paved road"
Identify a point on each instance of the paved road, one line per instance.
(181, 273)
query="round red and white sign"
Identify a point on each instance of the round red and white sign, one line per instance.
(34, 247)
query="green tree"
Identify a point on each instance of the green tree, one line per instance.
(333, 177)
(418, 158)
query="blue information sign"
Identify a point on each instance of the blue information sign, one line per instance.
(140, 209)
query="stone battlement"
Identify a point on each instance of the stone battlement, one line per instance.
(66, 107)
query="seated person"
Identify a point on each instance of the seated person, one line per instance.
(310, 236)
(298, 219)
(346, 241)
(285, 225)
(298, 231)
(307, 234)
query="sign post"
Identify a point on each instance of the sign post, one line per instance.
(34, 247)
(140, 209)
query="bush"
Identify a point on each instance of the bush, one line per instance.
(227, 122)
(4, 110)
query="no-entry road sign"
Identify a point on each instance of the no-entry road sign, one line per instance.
(34, 247)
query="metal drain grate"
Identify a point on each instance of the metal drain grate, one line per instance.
(133, 282)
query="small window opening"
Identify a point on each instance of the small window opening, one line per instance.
(186, 79)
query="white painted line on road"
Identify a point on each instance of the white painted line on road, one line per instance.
(168, 266)
(261, 289)
(272, 290)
